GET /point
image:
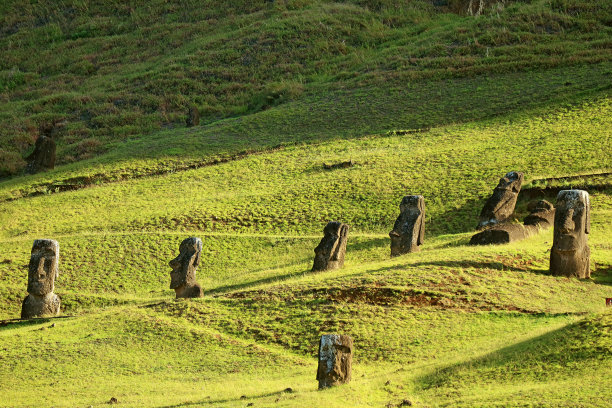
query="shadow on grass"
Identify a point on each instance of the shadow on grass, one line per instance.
(17, 323)
(495, 265)
(270, 279)
(364, 244)
(361, 244)
(602, 275)
(209, 401)
(555, 353)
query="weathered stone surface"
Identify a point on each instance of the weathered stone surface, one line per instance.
(503, 234)
(500, 206)
(42, 272)
(541, 217)
(43, 156)
(541, 213)
(329, 254)
(335, 360)
(193, 116)
(409, 228)
(570, 253)
(184, 266)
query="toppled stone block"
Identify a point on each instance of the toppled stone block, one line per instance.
(409, 229)
(329, 254)
(184, 266)
(570, 254)
(541, 213)
(42, 272)
(541, 216)
(335, 360)
(43, 156)
(504, 234)
(500, 206)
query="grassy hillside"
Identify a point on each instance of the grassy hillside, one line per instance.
(95, 74)
(424, 98)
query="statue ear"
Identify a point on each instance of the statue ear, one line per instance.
(421, 236)
(587, 220)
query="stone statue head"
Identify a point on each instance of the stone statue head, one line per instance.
(185, 264)
(572, 220)
(337, 232)
(500, 206)
(330, 252)
(43, 268)
(409, 228)
(511, 182)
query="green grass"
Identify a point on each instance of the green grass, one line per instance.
(422, 100)
(107, 72)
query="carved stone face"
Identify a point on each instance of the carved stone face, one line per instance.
(43, 268)
(409, 228)
(511, 181)
(500, 206)
(329, 254)
(571, 220)
(185, 264)
(335, 360)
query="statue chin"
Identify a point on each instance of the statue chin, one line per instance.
(567, 244)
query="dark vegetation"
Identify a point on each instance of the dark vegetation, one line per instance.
(310, 111)
(98, 73)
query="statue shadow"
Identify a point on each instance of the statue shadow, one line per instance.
(495, 265)
(363, 244)
(219, 290)
(457, 220)
(215, 402)
(602, 275)
(18, 323)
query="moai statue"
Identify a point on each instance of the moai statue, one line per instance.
(570, 253)
(409, 228)
(500, 206)
(184, 266)
(335, 360)
(43, 156)
(193, 116)
(42, 272)
(329, 254)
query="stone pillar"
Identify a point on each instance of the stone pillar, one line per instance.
(409, 228)
(570, 253)
(184, 266)
(329, 254)
(335, 360)
(42, 272)
(500, 206)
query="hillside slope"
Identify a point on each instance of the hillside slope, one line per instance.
(95, 74)
(421, 100)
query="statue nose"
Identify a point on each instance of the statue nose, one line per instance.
(568, 223)
(41, 267)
